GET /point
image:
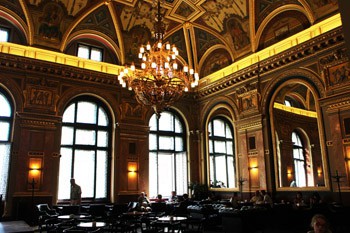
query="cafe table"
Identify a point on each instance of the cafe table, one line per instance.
(170, 223)
(91, 224)
(73, 216)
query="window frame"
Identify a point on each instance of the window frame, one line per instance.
(301, 152)
(212, 155)
(9, 120)
(8, 30)
(90, 48)
(175, 153)
(95, 148)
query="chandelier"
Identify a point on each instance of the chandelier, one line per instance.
(159, 82)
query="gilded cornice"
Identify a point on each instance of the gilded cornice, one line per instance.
(34, 123)
(342, 104)
(279, 61)
(24, 64)
(250, 125)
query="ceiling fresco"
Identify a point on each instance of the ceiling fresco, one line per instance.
(209, 34)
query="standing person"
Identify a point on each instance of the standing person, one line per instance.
(75, 193)
(320, 224)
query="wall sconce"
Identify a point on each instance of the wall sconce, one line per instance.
(34, 173)
(319, 171)
(132, 175)
(289, 172)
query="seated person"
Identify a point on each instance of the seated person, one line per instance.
(173, 197)
(234, 200)
(315, 200)
(184, 203)
(320, 224)
(266, 198)
(144, 203)
(159, 198)
(257, 198)
(299, 200)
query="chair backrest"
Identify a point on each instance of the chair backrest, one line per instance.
(97, 210)
(70, 209)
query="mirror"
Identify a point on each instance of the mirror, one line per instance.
(295, 128)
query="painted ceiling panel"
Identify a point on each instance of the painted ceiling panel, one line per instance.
(220, 29)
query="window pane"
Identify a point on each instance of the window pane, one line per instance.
(166, 173)
(219, 128)
(209, 129)
(69, 114)
(5, 109)
(228, 133)
(181, 173)
(166, 143)
(101, 176)
(166, 122)
(153, 173)
(85, 175)
(219, 147)
(96, 54)
(67, 135)
(178, 126)
(211, 146)
(153, 123)
(102, 117)
(153, 142)
(220, 169)
(179, 144)
(229, 148)
(85, 137)
(212, 171)
(4, 35)
(5, 131)
(83, 51)
(65, 173)
(102, 138)
(86, 112)
(5, 149)
(231, 172)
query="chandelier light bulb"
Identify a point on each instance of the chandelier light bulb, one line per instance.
(167, 46)
(159, 45)
(191, 71)
(153, 65)
(132, 67)
(196, 76)
(142, 49)
(166, 65)
(175, 66)
(143, 65)
(148, 46)
(186, 89)
(186, 69)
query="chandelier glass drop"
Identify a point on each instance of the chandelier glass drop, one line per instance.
(159, 82)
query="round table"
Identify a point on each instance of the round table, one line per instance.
(171, 218)
(72, 216)
(91, 224)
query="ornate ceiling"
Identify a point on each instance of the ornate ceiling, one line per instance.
(210, 34)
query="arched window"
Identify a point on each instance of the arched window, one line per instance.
(6, 119)
(167, 155)
(299, 160)
(85, 148)
(221, 153)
